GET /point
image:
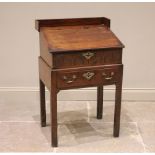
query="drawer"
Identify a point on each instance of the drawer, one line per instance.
(75, 78)
(87, 58)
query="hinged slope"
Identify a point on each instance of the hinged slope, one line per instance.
(64, 35)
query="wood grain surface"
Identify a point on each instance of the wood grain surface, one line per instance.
(75, 38)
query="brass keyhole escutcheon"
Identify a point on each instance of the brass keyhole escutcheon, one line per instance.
(88, 55)
(88, 75)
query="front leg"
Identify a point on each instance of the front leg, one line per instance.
(42, 103)
(53, 109)
(99, 102)
(118, 99)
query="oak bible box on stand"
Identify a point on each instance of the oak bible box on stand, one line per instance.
(78, 53)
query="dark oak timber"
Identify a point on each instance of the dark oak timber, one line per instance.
(118, 96)
(53, 107)
(71, 22)
(78, 53)
(42, 104)
(99, 102)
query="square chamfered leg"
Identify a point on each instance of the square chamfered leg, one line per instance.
(118, 98)
(42, 103)
(99, 102)
(53, 110)
(48, 79)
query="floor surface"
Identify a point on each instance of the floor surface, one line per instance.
(78, 128)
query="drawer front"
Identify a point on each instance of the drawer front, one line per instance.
(88, 77)
(88, 58)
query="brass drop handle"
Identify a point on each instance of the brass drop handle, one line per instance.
(88, 75)
(69, 80)
(108, 77)
(88, 55)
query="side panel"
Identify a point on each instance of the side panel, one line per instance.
(45, 73)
